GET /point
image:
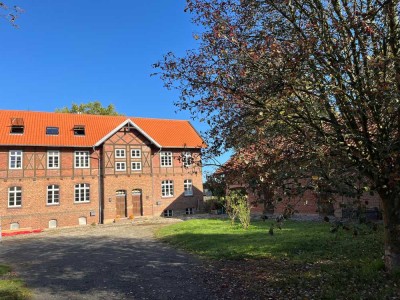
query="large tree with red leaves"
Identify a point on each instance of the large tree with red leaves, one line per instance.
(325, 74)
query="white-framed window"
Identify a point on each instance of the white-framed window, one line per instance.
(136, 165)
(166, 159)
(188, 187)
(15, 161)
(120, 166)
(189, 211)
(53, 194)
(14, 226)
(53, 223)
(81, 159)
(82, 192)
(14, 196)
(168, 213)
(167, 188)
(120, 153)
(187, 159)
(136, 153)
(53, 159)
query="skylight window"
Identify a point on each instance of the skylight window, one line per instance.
(79, 130)
(52, 130)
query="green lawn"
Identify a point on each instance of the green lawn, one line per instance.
(302, 254)
(12, 288)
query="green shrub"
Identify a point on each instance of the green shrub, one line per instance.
(237, 206)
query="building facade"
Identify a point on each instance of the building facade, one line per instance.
(68, 169)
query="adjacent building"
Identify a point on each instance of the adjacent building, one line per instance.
(68, 169)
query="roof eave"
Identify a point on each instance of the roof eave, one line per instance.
(46, 145)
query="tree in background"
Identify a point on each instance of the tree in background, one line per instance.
(329, 71)
(91, 108)
(216, 184)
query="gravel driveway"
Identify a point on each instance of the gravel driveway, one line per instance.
(105, 262)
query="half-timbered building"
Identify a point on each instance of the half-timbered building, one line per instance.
(68, 169)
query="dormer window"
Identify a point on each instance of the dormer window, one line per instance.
(17, 126)
(52, 130)
(79, 130)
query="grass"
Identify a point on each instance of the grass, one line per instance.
(12, 288)
(301, 255)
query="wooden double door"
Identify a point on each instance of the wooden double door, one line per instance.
(122, 207)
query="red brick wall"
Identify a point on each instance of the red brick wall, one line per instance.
(148, 180)
(35, 163)
(35, 177)
(307, 204)
(34, 211)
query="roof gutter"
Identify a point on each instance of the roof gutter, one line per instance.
(152, 180)
(100, 185)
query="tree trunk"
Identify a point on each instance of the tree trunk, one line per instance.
(267, 196)
(391, 220)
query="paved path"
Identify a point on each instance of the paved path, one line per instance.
(105, 262)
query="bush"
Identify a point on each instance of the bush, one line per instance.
(237, 206)
(215, 203)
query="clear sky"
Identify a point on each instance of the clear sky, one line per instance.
(74, 51)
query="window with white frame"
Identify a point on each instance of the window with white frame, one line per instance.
(82, 192)
(189, 210)
(136, 165)
(53, 159)
(168, 213)
(81, 159)
(187, 159)
(15, 159)
(120, 166)
(166, 159)
(188, 187)
(14, 226)
(53, 194)
(120, 153)
(167, 188)
(14, 196)
(136, 153)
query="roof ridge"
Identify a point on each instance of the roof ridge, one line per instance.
(55, 112)
(75, 114)
(161, 119)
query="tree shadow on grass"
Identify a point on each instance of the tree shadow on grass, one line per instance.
(300, 260)
(299, 241)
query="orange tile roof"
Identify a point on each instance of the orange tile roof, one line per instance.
(164, 133)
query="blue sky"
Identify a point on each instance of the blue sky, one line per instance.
(74, 51)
